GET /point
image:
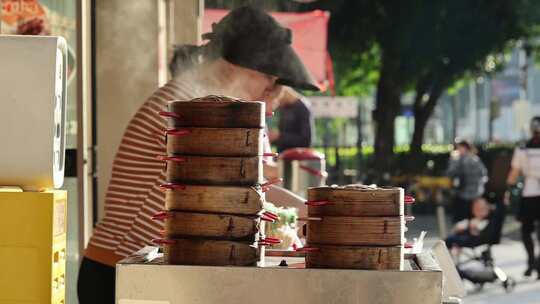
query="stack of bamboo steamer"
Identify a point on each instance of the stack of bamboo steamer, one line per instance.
(214, 198)
(356, 227)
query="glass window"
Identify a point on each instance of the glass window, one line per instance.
(47, 17)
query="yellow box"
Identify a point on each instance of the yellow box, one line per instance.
(32, 247)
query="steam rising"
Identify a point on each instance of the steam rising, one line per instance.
(246, 38)
(212, 78)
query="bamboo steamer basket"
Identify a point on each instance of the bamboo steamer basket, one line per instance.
(214, 199)
(354, 257)
(208, 225)
(208, 252)
(216, 112)
(355, 201)
(209, 170)
(215, 141)
(344, 230)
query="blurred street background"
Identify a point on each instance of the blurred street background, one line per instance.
(509, 255)
(409, 90)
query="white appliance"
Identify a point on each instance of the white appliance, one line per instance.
(33, 71)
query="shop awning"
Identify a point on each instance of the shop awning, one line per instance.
(310, 35)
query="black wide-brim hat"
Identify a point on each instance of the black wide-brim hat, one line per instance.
(251, 38)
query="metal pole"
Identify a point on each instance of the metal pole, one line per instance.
(474, 107)
(84, 110)
(524, 61)
(487, 98)
(326, 137)
(359, 142)
(523, 65)
(441, 221)
(454, 116)
(490, 110)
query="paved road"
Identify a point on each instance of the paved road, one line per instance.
(509, 255)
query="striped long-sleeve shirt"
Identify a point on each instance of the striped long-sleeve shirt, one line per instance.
(133, 195)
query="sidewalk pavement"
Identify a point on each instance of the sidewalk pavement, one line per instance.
(509, 255)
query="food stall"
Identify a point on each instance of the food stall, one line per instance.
(139, 282)
(215, 247)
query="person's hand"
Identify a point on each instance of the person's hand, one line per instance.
(271, 172)
(474, 230)
(273, 135)
(454, 154)
(460, 227)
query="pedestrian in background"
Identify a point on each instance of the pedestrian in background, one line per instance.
(469, 175)
(473, 231)
(526, 163)
(295, 126)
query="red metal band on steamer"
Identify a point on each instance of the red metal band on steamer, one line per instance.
(177, 132)
(308, 249)
(169, 114)
(163, 241)
(409, 200)
(171, 158)
(266, 186)
(271, 215)
(269, 240)
(172, 186)
(314, 172)
(267, 219)
(162, 215)
(318, 203)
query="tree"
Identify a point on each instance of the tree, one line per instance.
(487, 28)
(424, 46)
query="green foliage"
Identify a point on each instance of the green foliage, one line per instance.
(329, 129)
(367, 151)
(427, 46)
(433, 162)
(287, 216)
(456, 86)
(360, 78)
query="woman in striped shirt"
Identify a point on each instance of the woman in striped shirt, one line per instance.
(248, 53)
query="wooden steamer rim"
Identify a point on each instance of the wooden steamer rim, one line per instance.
(355, 201)
(209, 252)
(215, 141)
(217, 112)
(214, 199)
(239, 171)
(208, 225)
(354, 257)
(364, 231)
